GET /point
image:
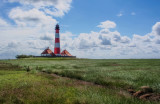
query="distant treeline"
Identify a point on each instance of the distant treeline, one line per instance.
(23, 56)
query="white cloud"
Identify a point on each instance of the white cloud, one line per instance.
(31, 17)
(28, 46)
(66, 40)
(86, 41)
(53, 7)
(156, 28)
(107, 24)
(158, 41)
(142, 39)
(125, 39)
(13, 44)
(47, 36)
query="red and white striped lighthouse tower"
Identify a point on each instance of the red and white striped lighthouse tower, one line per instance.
(57, 42)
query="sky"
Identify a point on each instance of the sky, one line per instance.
(96, 29)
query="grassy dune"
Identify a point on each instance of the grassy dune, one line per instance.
(16, 85)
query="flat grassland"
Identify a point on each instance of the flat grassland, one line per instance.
(78, 81)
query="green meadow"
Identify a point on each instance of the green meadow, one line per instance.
(76, 81)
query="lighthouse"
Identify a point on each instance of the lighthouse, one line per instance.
(57, 53)
(57, 41)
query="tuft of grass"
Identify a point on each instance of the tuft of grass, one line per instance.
(71, 74)
(34, 71)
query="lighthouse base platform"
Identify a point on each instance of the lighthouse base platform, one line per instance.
(56, 56)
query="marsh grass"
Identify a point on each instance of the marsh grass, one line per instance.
(20, 87)
(118, 73)
(114, 74)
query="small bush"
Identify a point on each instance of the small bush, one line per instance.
(56, 73)
(24, 56)
(28, 69)
(49, 71)
(44, 70)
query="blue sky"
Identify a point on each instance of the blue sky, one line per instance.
(89, 28)
(85, 15)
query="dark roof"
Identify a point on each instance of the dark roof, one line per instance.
(57, 27)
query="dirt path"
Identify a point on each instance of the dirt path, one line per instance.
(78, 82)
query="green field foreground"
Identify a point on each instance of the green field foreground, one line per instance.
(110, 78)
